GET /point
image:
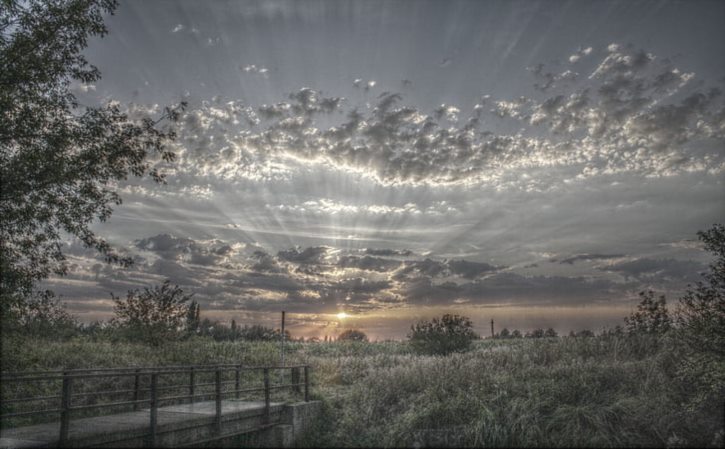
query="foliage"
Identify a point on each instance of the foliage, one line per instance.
(701, 311)
(550, 333)
(193, 322)
(352, 335)
(40, 315)
(619, 391)
(701, 330)
(584, 333)
(155, 315)
(651, 316)
(505, 333)
(60, 161)
(450, 333)
(536, 333)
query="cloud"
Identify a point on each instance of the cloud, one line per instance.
(252, 68)
(630, 115)
(388, 252)
(589, 257)
(658, 269)
(582, 52)
(227, 275)
(311, 255)
(368, 263)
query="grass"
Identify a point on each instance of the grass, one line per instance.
(600, 391)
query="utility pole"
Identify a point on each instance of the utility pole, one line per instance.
(281, 372)
(492, 334)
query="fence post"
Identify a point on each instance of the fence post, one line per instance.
(219, 400)
(296, 380)
(154, 409)
(266, 396)
(236, 380)
(192, 386)
(307, 383)
(65, 409)
(136, 386)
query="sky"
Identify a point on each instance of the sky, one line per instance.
(537, 163)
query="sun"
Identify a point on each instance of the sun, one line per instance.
(342, 315)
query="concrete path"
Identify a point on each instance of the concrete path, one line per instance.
(129, 424)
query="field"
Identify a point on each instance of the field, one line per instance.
(597, 391)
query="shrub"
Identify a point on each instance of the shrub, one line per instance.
(651, 316)
(154, 315)
(353, 335)
(450, 333)
(41, 314)
(701, 331)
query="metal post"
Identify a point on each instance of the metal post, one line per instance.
(307, 383)
(281, 348)
(237, 379)
(192, 384)
(136, 387)
(296, 380)
(219, 400)
(65, 409)
(154, 409)
(266, 395)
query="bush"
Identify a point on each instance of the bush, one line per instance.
(651, 316)
(42, 315)
(154, 315)
(353, 335)
(451, 333)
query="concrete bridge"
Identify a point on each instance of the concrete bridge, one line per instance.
(159, 415)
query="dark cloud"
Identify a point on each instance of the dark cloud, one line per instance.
(388, 252)
(589, 257)
(659, 269)
(265, 262)
(192, 251)
(309, 255)
(432, 268)
(369, 263)
(470, 270)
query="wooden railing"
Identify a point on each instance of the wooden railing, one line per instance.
(157, 379)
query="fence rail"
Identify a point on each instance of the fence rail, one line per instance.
(154, 392)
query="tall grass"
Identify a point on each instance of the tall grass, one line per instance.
(603, 391)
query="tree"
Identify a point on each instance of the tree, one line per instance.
(536, 333)
(516, 333)
(193, 322)
(551, 333)
(700, 318)
(60, 160)
(353, 335)
(450, 333)
(154, 315)
(41, 315)
(651, 316)
(701, 311)
(504, 333)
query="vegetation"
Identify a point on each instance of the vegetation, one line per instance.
(651, 316)
(155, 315)
(352, 335)
(59, 160)
(450, 333)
